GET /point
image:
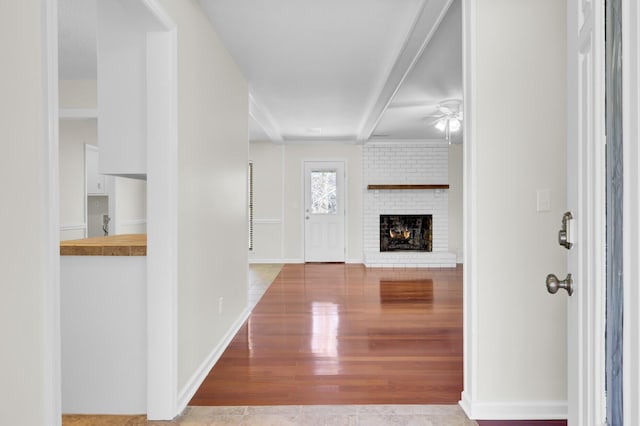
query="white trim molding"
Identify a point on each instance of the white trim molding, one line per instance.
(130, 222)
(78, 113)
(265, 261)
(311, 140)
(514, 410)
(50, 217)
(390, 142)
(295, 261)
(192, 385)
(264, 119)
(267, 221)
(470, 215)
(162, 217)
(277, 261)
(74, 227)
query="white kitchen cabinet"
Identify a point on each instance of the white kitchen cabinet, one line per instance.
(104, 342)
(95, 181)
(122, 88)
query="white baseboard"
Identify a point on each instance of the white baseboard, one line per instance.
(264, 261)
(73, 227)
(201, 373)
(131, 222)
(260, 261)
(267, 221)
(514, 410)
(465, 404)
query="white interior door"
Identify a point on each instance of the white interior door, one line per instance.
(324, 211)
(586, 201)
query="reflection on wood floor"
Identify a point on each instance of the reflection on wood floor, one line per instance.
(346, 334)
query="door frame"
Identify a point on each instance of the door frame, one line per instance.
(164, 399)
(631, 210)
(469, 214)
(52, 396)
(593, 409)
(587, 259)
(470, 223)
(162, 368)
(303, 203)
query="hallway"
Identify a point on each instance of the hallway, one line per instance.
(346, 334)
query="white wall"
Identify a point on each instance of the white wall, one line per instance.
(74, 134)
(519, 142)
(280, 196)
(212, 192)
(78, 93)
(130, 206)
(455, 201)
(278, 190)
(268, 235)
(26, 356)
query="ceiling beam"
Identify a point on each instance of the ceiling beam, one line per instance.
(264, 120)
(424, 26)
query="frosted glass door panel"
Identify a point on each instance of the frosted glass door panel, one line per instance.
(323, 192)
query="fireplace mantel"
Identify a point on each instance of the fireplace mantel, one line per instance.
(399, 186)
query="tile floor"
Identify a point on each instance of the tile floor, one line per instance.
(308, 415)
(260, 277)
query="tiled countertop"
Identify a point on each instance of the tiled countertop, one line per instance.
(114, 245)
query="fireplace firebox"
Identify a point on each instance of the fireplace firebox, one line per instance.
(407, 232)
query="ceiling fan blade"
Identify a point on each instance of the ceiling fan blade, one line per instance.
(432, 120)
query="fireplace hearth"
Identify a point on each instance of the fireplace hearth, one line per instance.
(410, 232)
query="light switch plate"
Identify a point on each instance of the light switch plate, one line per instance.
(544, 200)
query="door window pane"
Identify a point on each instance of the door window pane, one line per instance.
(323, 192)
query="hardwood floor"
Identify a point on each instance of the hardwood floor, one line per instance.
(345, 334)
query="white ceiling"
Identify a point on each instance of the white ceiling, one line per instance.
(328, 70)
(436, 76)
(77, 39)
(341, 70)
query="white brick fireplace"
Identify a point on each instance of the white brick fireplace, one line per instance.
(404, 163)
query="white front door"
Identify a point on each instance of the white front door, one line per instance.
(324, 211)
(586, 202)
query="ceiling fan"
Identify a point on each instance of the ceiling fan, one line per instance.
(448, 117)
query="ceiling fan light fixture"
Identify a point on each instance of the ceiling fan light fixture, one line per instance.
(441, 124)
(454, 124)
